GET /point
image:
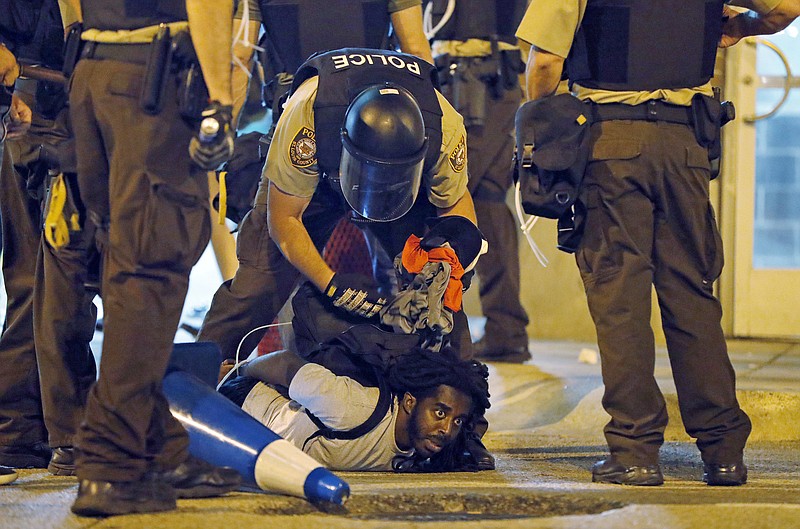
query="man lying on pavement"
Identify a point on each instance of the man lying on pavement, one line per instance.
(434, 399)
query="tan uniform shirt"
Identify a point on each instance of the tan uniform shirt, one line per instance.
(467, 48)
(340, 403)
(550, 25)
(292, 163)
(392, 6)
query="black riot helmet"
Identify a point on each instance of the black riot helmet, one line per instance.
(384, 149)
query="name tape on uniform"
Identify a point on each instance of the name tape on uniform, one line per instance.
(358, 59)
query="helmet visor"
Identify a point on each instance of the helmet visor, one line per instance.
(380, 190)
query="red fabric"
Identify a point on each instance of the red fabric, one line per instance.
(414, 258)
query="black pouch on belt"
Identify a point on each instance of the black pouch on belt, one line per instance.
(156, 72)
(192, 89)
(72, 49)
(707, 121)
(552, 153)
(511, 66)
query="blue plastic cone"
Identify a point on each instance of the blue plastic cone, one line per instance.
(224, 435)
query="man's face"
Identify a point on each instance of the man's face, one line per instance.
(436, 420)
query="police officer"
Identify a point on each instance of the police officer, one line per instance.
(304, 162)
(21, 429)
(23, 438)
(64, 315)
(364, 132)
(291, 35)
(60, 328)
(649, 221)
(360, 23)
(149, 204)
(476, 50)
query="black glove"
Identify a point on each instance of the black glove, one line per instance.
(213, 144)
(461, 234)
(356, 294)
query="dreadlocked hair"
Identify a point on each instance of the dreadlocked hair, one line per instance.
(421, 371)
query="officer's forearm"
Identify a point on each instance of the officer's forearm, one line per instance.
(240, 80)
(285, 218)
(542, 73)
(407, 25)
(211, 26)
(70, 11)
(9, 69)
(464, 207)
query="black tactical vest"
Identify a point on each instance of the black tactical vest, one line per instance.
(39, 39)
(344, 73)
(45, 44)
(298, 28)
(17, 22)
(479, 19)
(646, 44)
(131, 14)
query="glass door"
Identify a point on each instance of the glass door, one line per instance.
(763, 161)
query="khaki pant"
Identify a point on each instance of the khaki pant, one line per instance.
(650, 223)
(151, 206)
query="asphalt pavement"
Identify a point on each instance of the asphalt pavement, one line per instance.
(546, 431)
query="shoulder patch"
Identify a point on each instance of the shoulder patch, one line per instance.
(458, 156)
(303, 148)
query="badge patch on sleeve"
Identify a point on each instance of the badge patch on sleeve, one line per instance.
(458, 157)
(303, 149)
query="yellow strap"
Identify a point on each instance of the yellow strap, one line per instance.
(223, 197)
(56, 231)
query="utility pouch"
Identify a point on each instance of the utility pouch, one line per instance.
(192, 93)
(192, 90)
(708, 117)
(511, 66)
(468, 93)
(156, 72)
(551, 154)
(73, 46)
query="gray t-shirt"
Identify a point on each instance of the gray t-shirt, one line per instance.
(340, 403)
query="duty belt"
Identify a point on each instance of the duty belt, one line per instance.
(653, 110)
(133, 53)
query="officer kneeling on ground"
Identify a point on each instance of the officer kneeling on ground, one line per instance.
(363, 132)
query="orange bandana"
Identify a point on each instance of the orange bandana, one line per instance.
(414, 258)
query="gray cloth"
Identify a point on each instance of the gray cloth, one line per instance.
(420, 306)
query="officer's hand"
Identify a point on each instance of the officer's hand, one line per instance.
(9, 69)
(19, 118)
(213, 144)
(356, 294)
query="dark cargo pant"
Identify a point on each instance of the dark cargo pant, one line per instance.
(21, 421)
(135, 175)
(63, 327)
(490, 148)
(650, 223)
(65, 366)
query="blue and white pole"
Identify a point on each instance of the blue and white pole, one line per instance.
(224, 435)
